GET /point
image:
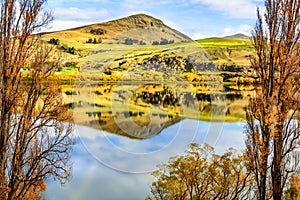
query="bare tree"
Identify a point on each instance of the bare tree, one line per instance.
(35, 128)
(273, 127)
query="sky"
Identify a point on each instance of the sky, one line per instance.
(195, 18)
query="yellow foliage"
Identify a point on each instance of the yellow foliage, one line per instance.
(202, 174)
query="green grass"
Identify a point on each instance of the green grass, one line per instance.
(94, 58)
(68, 71)
(225, 42)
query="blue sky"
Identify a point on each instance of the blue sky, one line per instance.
(195, 18)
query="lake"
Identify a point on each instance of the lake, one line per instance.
(124, 131)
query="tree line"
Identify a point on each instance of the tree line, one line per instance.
(94, 41)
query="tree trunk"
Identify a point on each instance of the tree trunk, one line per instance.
(277, 162)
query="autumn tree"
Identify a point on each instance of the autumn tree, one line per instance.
(201, 174)
(35, 128)
(272, 117)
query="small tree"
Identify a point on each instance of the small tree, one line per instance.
(155, 43)
(202, 174)
(142, 42)
(54, 41)
(163, 41)
(71, 50)
(128, 41)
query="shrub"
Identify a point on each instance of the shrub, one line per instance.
(54, 41)
(128, 41)
(155, 43)
(90, 40)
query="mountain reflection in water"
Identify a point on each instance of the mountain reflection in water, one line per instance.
(142, 111)
(124, 131)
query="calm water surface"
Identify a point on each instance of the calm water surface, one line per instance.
(120, 143)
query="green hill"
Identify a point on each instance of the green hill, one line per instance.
(228, 51)
(140, 47)
(139, 28)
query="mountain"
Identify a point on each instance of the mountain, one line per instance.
(238, 35)
(137, 28)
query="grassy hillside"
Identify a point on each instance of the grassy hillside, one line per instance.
(140, 28)
(115, 62)
(225, 42)
(142, 48)
(230, 51)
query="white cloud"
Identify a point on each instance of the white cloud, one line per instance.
(57, 25)
(76, 1)
(134, 5)
(242, 9)
(78, 14)
(128, 155)
(228, 30)
(243, 28)
(65, 18)
(196, 36)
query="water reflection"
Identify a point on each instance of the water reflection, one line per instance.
(142, 111)
(93, 179)
(124, 131)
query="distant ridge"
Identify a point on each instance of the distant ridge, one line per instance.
(239, 35)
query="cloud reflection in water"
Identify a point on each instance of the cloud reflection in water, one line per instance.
(111, 167)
